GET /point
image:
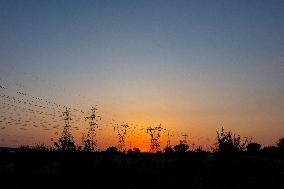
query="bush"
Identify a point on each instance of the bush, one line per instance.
(229, 143)
(36, 148)
(66, 142)
(280, 144)
(89, 142)
(169, 150)
(112, 150)
(270, 151)
(253, 147)
(134, 151)
(181, 148)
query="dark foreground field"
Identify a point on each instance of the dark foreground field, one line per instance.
(114, 170)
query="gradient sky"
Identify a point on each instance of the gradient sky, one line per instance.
(193, 66)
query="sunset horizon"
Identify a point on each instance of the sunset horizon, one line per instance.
(142, 94)
(192, 67)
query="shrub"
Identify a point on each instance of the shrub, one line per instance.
(36, 148)
(253, 147)
(112, 150)
(89, 142)
(280, 144)
(169, 150)
(181, 148)
(134, 151)
(229, 143)
(66, 142)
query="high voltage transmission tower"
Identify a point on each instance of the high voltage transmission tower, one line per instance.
(67, 118)
(89, 140)
(121, 132)
(155, 138)
(66, 141)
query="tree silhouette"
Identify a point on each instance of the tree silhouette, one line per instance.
(229, 143)
(270, 151)
(253, 147)
(89, 143)
(280, 144)
(66, 142)
(181, 148)
(112, 150)
(134, 151)
(169, 150)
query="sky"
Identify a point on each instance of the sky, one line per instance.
(191, 66)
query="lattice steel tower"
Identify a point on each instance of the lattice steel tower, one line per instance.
(121, 132)
(155, 137)
(90, 140)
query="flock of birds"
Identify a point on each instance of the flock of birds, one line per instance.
(23, 111)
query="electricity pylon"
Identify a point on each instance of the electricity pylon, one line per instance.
(66, 141)
(155, 137)
(89, 140)
(67, 118)
(121, 132)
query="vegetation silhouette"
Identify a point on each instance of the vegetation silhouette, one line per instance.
(66, 142)
(112, 150)
(280, 144)
(232, 163)
(253, 147)
(39, 166)
(229, 143)
(181, 148)
(36, 148)
(169, 150)
(134, 151)
(89, 143)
